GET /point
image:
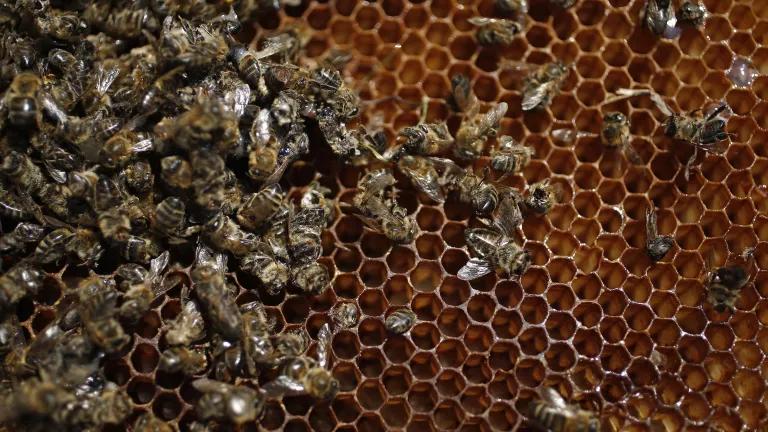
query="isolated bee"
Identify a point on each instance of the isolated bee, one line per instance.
(422, 139)
(147, 422)
(704, 131)
(141, 291)
(474, 131)
(462, 98)
(494, 250)
(510, 157)
(658, 16)
(188, 326)
(97, 309)
(382, 213)
(472, 189)
(302, 374)
(724, 286)
(495, 31)
(189, 361)
(212, 291)
(422, 173)
(692, 13)
(18, 282)
(541, 197)
(543, 84)
(553, 414)
(234, 403)
(400, 321)
(258, 208)
(224, 234)
(23, 235)
(615, 134)
(176, 172)
(345, 314)
(262, 264)
(656, 246)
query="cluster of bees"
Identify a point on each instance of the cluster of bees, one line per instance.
(131, 128)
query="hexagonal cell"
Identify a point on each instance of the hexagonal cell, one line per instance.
(401, 259)
(422, 397)
(371, 332)
(398, 349)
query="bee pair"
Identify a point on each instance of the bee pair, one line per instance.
(661, 18)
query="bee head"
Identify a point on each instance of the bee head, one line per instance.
(614, 117)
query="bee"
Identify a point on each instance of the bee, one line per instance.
(495, 31)
(18, 282)
(85, 246)
(263, 148)
(659, 16)
(383, 213)
(494, 250)
(123, 147)
(56, 198)
(513, 6)
(188, 326)
(553, 414)
(122, 23)
(235, 403)
(142, 288)
(615, 134)
(62, 25)
(306, 375)
(17, 206)
(183, 359)
(206, 123)
(224, 234)
(110, 406)
(139, 249)
(34, 398)
(212, 292)
(97, 307)
(400, 321)
(423, 139)
(422, 173)
(543, 84)
(208, 179)
(276, 234)
(724, 286)
(20, 169)
(170, 218)
(115, 225)
(510, 157)
(176, 172)
(345, 314)
(258, 208)
(346, 143)
(262, 264)
(472, 189)
(18, 240)
(656, 246)
(692, 13)
(53, 246)
(704, 131)
(147, 422)
(311, 278)
(248, 64)
(319, 196)
(473, 132)
(305, 227)
(462, 98)
(21, 100)
(138, 177)
(541, 197)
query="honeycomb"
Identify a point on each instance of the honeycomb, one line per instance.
(591, 310)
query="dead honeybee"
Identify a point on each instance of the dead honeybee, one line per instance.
(224, 234)
(692, 13)
(305, 247)
(212, 291)
(16, 206)
(311, 278)
(170, 218)
(97, 309)
(36, 399)
(206, 123)
(319, 196)
(422, 173)
(176, 172)
(188, 326)
(495, 31)
(400, 321)
(422, 139)
(542, 85)
(724, 286)
(510, 157)
(262, 264)
(348, 144)
(189, 361)
(22, 236)
(123, 146)
(140, 249)
(615, 134)
(475, 130)
(234, 403)
(345, 314)
(552, 413)
(20, 169)
(60, 24)
(656, 245)
(258, 208)
(383, 213)
(111, 405)
(704, 131)
(659, 16)
(85, 246)
(21, 100)
(302, 374)
(53, 246)
(263, 148)
(541, 197)
(462, 97)
(472, 189)
(141, 287)
(18, 282)
(137, 177)
(494, 250)
(122, 23)
(209, 179)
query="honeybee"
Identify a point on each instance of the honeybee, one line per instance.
(248, 64)
(543, 84)
(124, 146)
(400, 321)
(319, 196)
(258, 208)
(115, 225)
(170, 218)
(142, 291)
(20, 169)
(18, 282)
(188, 326)
(382, 213)
(235, 403)
(140, 249)
(304, 229)
(226, 235)
(345, 314)
(345, 143)
(182, 359)
(97, 307)
(294, 144)
(208, 179)
(472, 189)
(16, 206)
(59, 24)
(261, 263)
(21, 100)
(18, 240)
(422, 173)
(109, 406)
(53, 246)
(276, 234)
(724, 286)
(176, 172)
(212, 291)
(615, 134)
(205, 123)
(473, 132)
(553, 414)
(10, 335)
(692, 13)
(462, 98)
(541, 197)
(659, 16)
(56, 198)
(510, 157)
(704, 131)
(422, 139)
(305, 375)
(509, 213)
(147, 422)
(656, 246)
(311, 278)
(34, 398)
(137, 177)
(85, 246)
(494, 250)
(495, 31)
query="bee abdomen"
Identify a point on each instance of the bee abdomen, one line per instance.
(22, 111)
(547, 417)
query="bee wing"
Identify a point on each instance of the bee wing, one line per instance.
(552, 397)
(158, 265)
(632, 154)
(57, 175)
(282, 385)
(481, 21)
(490, 120)
(428, 183)
(279, 170)
(474, 269)
(105, 77)
(534, 98)
(651, 229)
(510, 216)
(323, 345)
(205, 385)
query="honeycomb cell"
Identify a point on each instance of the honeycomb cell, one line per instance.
(422, 397)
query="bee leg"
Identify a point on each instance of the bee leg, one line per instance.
(424, 109)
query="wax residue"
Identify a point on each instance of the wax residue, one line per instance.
(741, 73)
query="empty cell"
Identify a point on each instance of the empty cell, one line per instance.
(371, 332)
(426, 306)
(397, 291)
(422, 397)
(401, 260)
(454, 291)
(372, 302)
(398, 349)
(397, 380)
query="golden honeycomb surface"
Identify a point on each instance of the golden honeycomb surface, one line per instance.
(592, 308)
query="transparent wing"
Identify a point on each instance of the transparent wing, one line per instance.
(534, 98)
(474, 269)
(491, 119)
(57, 175)
(105, 77)
(313, 217)
(632, 154)
(509, 215)
(480, 21)
(552, 397)
(282, 385)
(323, 345)
(425, 180)
(650, 224)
